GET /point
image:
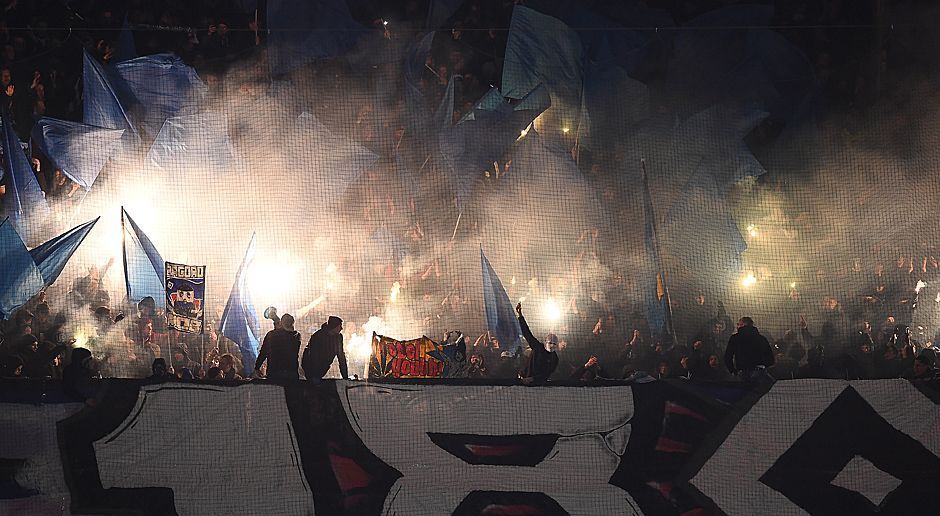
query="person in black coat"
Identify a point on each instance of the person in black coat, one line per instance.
(280, 348)
(324, 345)
(748, 352)
(542, 362)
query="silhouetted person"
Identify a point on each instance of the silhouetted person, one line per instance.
(542, 362)
(280, 348)
(748, 353)
(77, 376)
(325, 345)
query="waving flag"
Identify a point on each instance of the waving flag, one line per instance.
(80, 151)
(239, 319)
(542, 50)
(144, 268)
(104, 100)
(197, 140)
(124, 47)
(20, 279)
(52, 255)
(24, 203)
(658, 307)
(500, 315)
(162, 86)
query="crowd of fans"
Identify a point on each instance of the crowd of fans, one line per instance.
(603, 336)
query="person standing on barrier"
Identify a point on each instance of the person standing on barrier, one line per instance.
(748, 354)
(324, 345)
(542, 362)
(280, 348)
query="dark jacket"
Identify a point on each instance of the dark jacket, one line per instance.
(280, 348)
(319, 354)
(542, 363)
(748, 349)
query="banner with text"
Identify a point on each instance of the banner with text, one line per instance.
(185, 293)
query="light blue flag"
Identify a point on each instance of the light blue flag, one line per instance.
(161, 86)
(24, 203)
(144, 268)
(713, 141)
(485, 134)
(20, 279)
(104, 99)
(199, 139)
(52, 255)
(500, 315)
(542, 50)
(239, 319)
(659, 313)
(334, 161)
(80, 151)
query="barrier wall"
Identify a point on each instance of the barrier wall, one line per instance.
(345, 447)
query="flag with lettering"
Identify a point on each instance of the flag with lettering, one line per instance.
(185, 297)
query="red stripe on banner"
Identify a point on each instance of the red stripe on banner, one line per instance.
(675, 408)
(665, 444)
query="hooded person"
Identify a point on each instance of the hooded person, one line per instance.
(325, 345)
(280, 348)
(78, 375)
(181, 360)
(542, 362)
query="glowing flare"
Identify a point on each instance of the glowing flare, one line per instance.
(551, 310)
(793, 285)
(396, 289)
(752, 230)
(749, 280)
(565, 130)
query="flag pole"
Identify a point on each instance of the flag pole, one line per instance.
(127, 284)
(651, 215)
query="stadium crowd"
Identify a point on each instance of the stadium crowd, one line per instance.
(604, 335)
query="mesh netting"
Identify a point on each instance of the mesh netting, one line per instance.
(789, 176)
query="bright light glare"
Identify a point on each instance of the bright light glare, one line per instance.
(359, 346)
(749, 280)
(752, 230)
(393, 295)
(793, 285)
(565, 130)
(551, 310)
(272, 281)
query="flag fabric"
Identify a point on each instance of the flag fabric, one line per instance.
(161, 86)
(500, 315)
(542, 50)
(80, 151)
(199, 141)
(413, 69)
(334, 160)
(20, 278)
(52, 256)
(750, 66)
(143, 266)
(485, 134)
(185, 297)
(659, 312)
(239, 319)
(302, 31)
(105, 100)
(713, 140)
(24, 203)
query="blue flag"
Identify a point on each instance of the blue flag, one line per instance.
(20, 279)
(144, 268)
(542, 50)
(52, 255)
(302, 31)
(485, 134)
(161, 86)
(414, 68)
(80, 151)
(104, 99)
(500, 315)
(198, 140)
(713, 141)
(331, 159)
(659, 313)
(24, 203)
(239, 319)
(750, 66)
